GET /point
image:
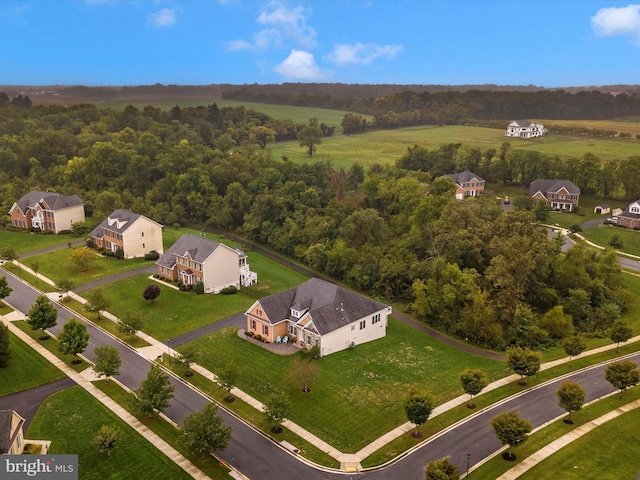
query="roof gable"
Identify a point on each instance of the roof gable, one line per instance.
(53, 201)
(464, 177)
(552, 186)
(199, 248)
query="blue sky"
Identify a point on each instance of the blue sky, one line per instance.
(121, 42)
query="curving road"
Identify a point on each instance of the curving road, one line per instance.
(257, 457)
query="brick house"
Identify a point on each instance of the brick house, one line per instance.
(47, 211)
(560, 194)
(630, 216)
(468, 184)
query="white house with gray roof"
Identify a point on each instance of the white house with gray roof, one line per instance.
(320, 313)
(560, 194)
(135, 234)
(47, 211)
(194, 259)
(525, 129)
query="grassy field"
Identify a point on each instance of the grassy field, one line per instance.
(566, 460)
(631, 126)
(37, 282)
(359, 393)
(24, 242)
(602, 234)
(27, 369)
(72, 418)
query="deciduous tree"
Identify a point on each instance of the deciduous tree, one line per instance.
(310, 136)
(5, 289)
(418, 408)
(262, 135)
(619, 332)
(107, 361)
(65, 285)
(130, 323)
(511, 430)
(189, 355)
(571, 397)
(42, 314)
(107, 439)
(442, 470)
(97, 302)
(276, 408)
(151, 292)
(82, 257)
(473, 382)
(5, 346)
(303, 371)
(73, 338)
(204, 432)
(227, 378)
(622, 375)
(524, 362)
(574, 346)
(154, 393)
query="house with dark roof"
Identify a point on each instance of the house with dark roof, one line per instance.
(468, 184)
(47, 211)
(319, 313)
(11, 434)
(525, 129)
(630, 216)
(194, 259)
(135, 234)
(560, 194)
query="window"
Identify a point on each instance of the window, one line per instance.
(309, 339)
(142, 234)
(259, 312)
(292, 330)
(253, 324)
(363, 324)
(143, 245)
(375, 319)
(265, 330)
(353, 327)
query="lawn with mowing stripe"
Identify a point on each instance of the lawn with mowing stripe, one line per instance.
(58, 265)
(72, 418)
(359, 394)
(24, 242)
(27, 369)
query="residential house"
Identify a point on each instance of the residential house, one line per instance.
(194, 259)
(135, 234)
(11, 434)
(616, 211)
(319, 313)
(602, 209)
(525, 129)
(630, 216)
(560, 194)
(468, 184)
(47, 211)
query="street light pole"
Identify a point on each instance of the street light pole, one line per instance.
(168, 349)
(468, 458)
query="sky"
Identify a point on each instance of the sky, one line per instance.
(545, 43)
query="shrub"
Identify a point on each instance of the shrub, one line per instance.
(199, 288)
(575, 228)
(119, 253)
(152, 255)
(249, 333)
(230, 290)
(109, 253)
(258, 337)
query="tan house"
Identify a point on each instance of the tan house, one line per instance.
(11, 435)
(468, 184)
(318, 313)
(560, 194)
(194, 259)
(602, 209)
(135, 234)
(47, 211)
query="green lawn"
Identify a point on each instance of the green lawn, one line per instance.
(574, 457)
(26, 242)
(209, 465)
(602, 234)
(71, 419)
(57, 265)
(360, 392)
(27, 369)
(37, 282)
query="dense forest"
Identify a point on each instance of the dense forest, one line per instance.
(394, 232)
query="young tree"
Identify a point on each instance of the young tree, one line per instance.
(473, 382)
(418, 409)
(130, 323)
(622, 375)
(151, 292)
(303, 372)
(73, 338)
(227, 378)
(97, 302)
(107, 361)
(82, 257)
(619, 332)
(8, 254)
(524, 362)
(574, 346)
(277, 408)
(203, 432)
(65, 285)
(107, 439)
(42, 315)
(35, 267)
(442, 470)
(189, 355)
(571, 397)
(5, 289)
(511, 430)
(5, 346)
(154, 392)
(310, 136)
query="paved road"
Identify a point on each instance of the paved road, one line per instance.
(259, 459)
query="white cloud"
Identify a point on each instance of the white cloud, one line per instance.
(299, 65)
(361, 54)
(617, 21)
(163, 18)
(284, 25)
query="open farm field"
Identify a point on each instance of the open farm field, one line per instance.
(386, 146)
(631, 125)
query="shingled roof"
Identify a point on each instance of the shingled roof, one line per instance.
(199, 249)
(55, 201)
(463, 177)
(118, 221)
(545, 186)
(329, 305)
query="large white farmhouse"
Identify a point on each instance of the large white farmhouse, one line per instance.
(525, 129)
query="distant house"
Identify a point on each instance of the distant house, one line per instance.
(602, 209)
(525, 129)
(630, 216)
(135, 234)
(47, 211)
(616, 211)
(560, 194)
(11, 434)
(468, 184)
(194, 259)
(319, 313)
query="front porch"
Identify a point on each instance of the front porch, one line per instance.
(277, 348)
